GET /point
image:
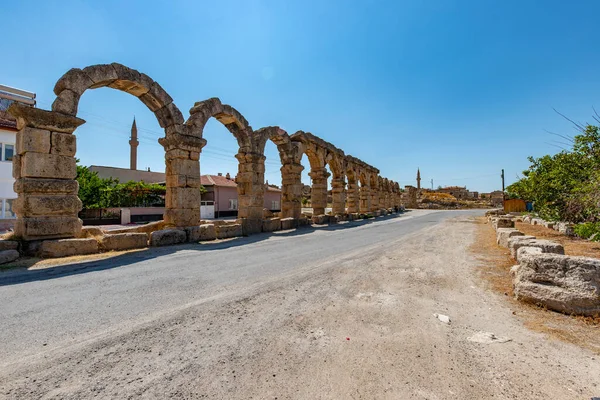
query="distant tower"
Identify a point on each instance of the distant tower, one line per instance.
(134, 144)
(418, 179)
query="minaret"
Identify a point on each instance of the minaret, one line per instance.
(418, 179)
(134, 144)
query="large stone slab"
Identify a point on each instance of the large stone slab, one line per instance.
(503, 234)
(289, 223)
(207, 232)
(320, 219)
(271, 225)
(37, 165)
(124, 241)
(7, 256)
(562, 283)
(512, 242)
(229, 231)
(66, 247)
(8, 245)
(31, 228)
(547, 246)
(167, 237)
(503, 223)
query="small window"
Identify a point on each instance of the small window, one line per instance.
(233, 204)
(8, 211)
(9, 149)
(275, 205)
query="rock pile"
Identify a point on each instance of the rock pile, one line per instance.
(544, 275)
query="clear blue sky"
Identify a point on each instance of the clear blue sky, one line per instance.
(460, 89)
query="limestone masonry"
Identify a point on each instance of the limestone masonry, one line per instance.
(44, 165)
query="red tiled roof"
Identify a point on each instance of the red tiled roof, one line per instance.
(7, 121)
(216, 180)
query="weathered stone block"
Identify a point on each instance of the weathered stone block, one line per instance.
(7, 256)
(33, 185)
(58, 204)
(503, 234)
(229, 231)
(169, 115)
(562, 283)
(37, 165)
(207, 232)
(512, 243)
(8, 245)
(546, 246)
(177, 197)
(503, 223)
(123, 241)
(90, 232)
(30, 228)
(102, 75)
(289, 223)
(271, 225)
(42, 119)
(182, 217)
(251, 225)
(33, 140)
(64, 144)
(66, 102)
(192, 233)
(75, 79)
(320, 219)
(167, 237)
(67, 247)
(566, 228)
(179, 166)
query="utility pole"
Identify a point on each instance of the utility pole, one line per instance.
(502, 176)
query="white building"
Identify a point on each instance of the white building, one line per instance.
(8, 136)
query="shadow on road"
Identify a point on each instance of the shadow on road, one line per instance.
(21, 275)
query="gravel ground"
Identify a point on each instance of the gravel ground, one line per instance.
(360, 326)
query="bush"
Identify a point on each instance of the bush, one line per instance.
(587, 229)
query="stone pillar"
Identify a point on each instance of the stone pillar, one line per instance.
(291, 190)
(353, 199)
(338, 193)
(182, 199)
(374, 199)
(318, 197)
(44, 168)
(365, 199)
(251, 190)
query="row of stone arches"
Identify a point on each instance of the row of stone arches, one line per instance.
(44, 165)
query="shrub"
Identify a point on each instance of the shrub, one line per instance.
(587, 229)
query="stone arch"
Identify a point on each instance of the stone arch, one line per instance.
(44, 166)
(290, 154)
(75, 82)
(251, 162)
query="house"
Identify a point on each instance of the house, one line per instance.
(8, 138)
(126, 174)
(221, 199)
(459, 192)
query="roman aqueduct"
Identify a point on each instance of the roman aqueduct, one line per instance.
(44, 165)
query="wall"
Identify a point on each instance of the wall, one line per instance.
(222, 196)
(6, 178)
(271, 196)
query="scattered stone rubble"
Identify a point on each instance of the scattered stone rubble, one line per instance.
(544, 275)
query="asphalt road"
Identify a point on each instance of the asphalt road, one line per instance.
(349, 311)
(48, 308)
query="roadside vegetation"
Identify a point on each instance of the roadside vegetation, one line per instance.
(566, 186)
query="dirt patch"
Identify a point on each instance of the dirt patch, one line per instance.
(573, 246)
(495, 263)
